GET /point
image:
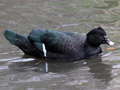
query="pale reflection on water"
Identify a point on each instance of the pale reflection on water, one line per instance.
(19, 72)
(58, 75)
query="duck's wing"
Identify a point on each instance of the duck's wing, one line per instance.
(54, 41)
(58, 42)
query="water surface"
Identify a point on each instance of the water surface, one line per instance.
(21, 72)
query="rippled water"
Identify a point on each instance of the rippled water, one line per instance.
(21, 72)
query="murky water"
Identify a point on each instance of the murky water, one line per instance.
(21, 72)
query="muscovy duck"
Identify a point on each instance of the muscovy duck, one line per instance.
(60, 45)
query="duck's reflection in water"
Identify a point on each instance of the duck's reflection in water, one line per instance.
(95, 67)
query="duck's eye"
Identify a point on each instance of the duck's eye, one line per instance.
(98, 35)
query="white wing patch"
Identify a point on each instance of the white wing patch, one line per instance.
(44, 50)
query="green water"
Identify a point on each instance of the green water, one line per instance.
(19, 72)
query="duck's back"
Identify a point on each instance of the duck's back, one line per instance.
(72, 47)
(59, 44)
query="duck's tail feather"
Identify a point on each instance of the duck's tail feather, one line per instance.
(22, 42)
(15, 38)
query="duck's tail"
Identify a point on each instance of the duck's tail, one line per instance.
(15, 38)
(22, 42)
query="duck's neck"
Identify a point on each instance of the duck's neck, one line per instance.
(91, 50)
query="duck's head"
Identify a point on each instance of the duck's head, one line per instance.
(98, 36)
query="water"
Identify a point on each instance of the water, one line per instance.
(21, 72)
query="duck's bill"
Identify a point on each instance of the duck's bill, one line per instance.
(108, 41)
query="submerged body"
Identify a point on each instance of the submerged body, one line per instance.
(59, 45)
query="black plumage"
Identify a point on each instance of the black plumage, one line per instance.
(59, 45)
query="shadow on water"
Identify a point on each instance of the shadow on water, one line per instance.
(95, 67)
(100, 71)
